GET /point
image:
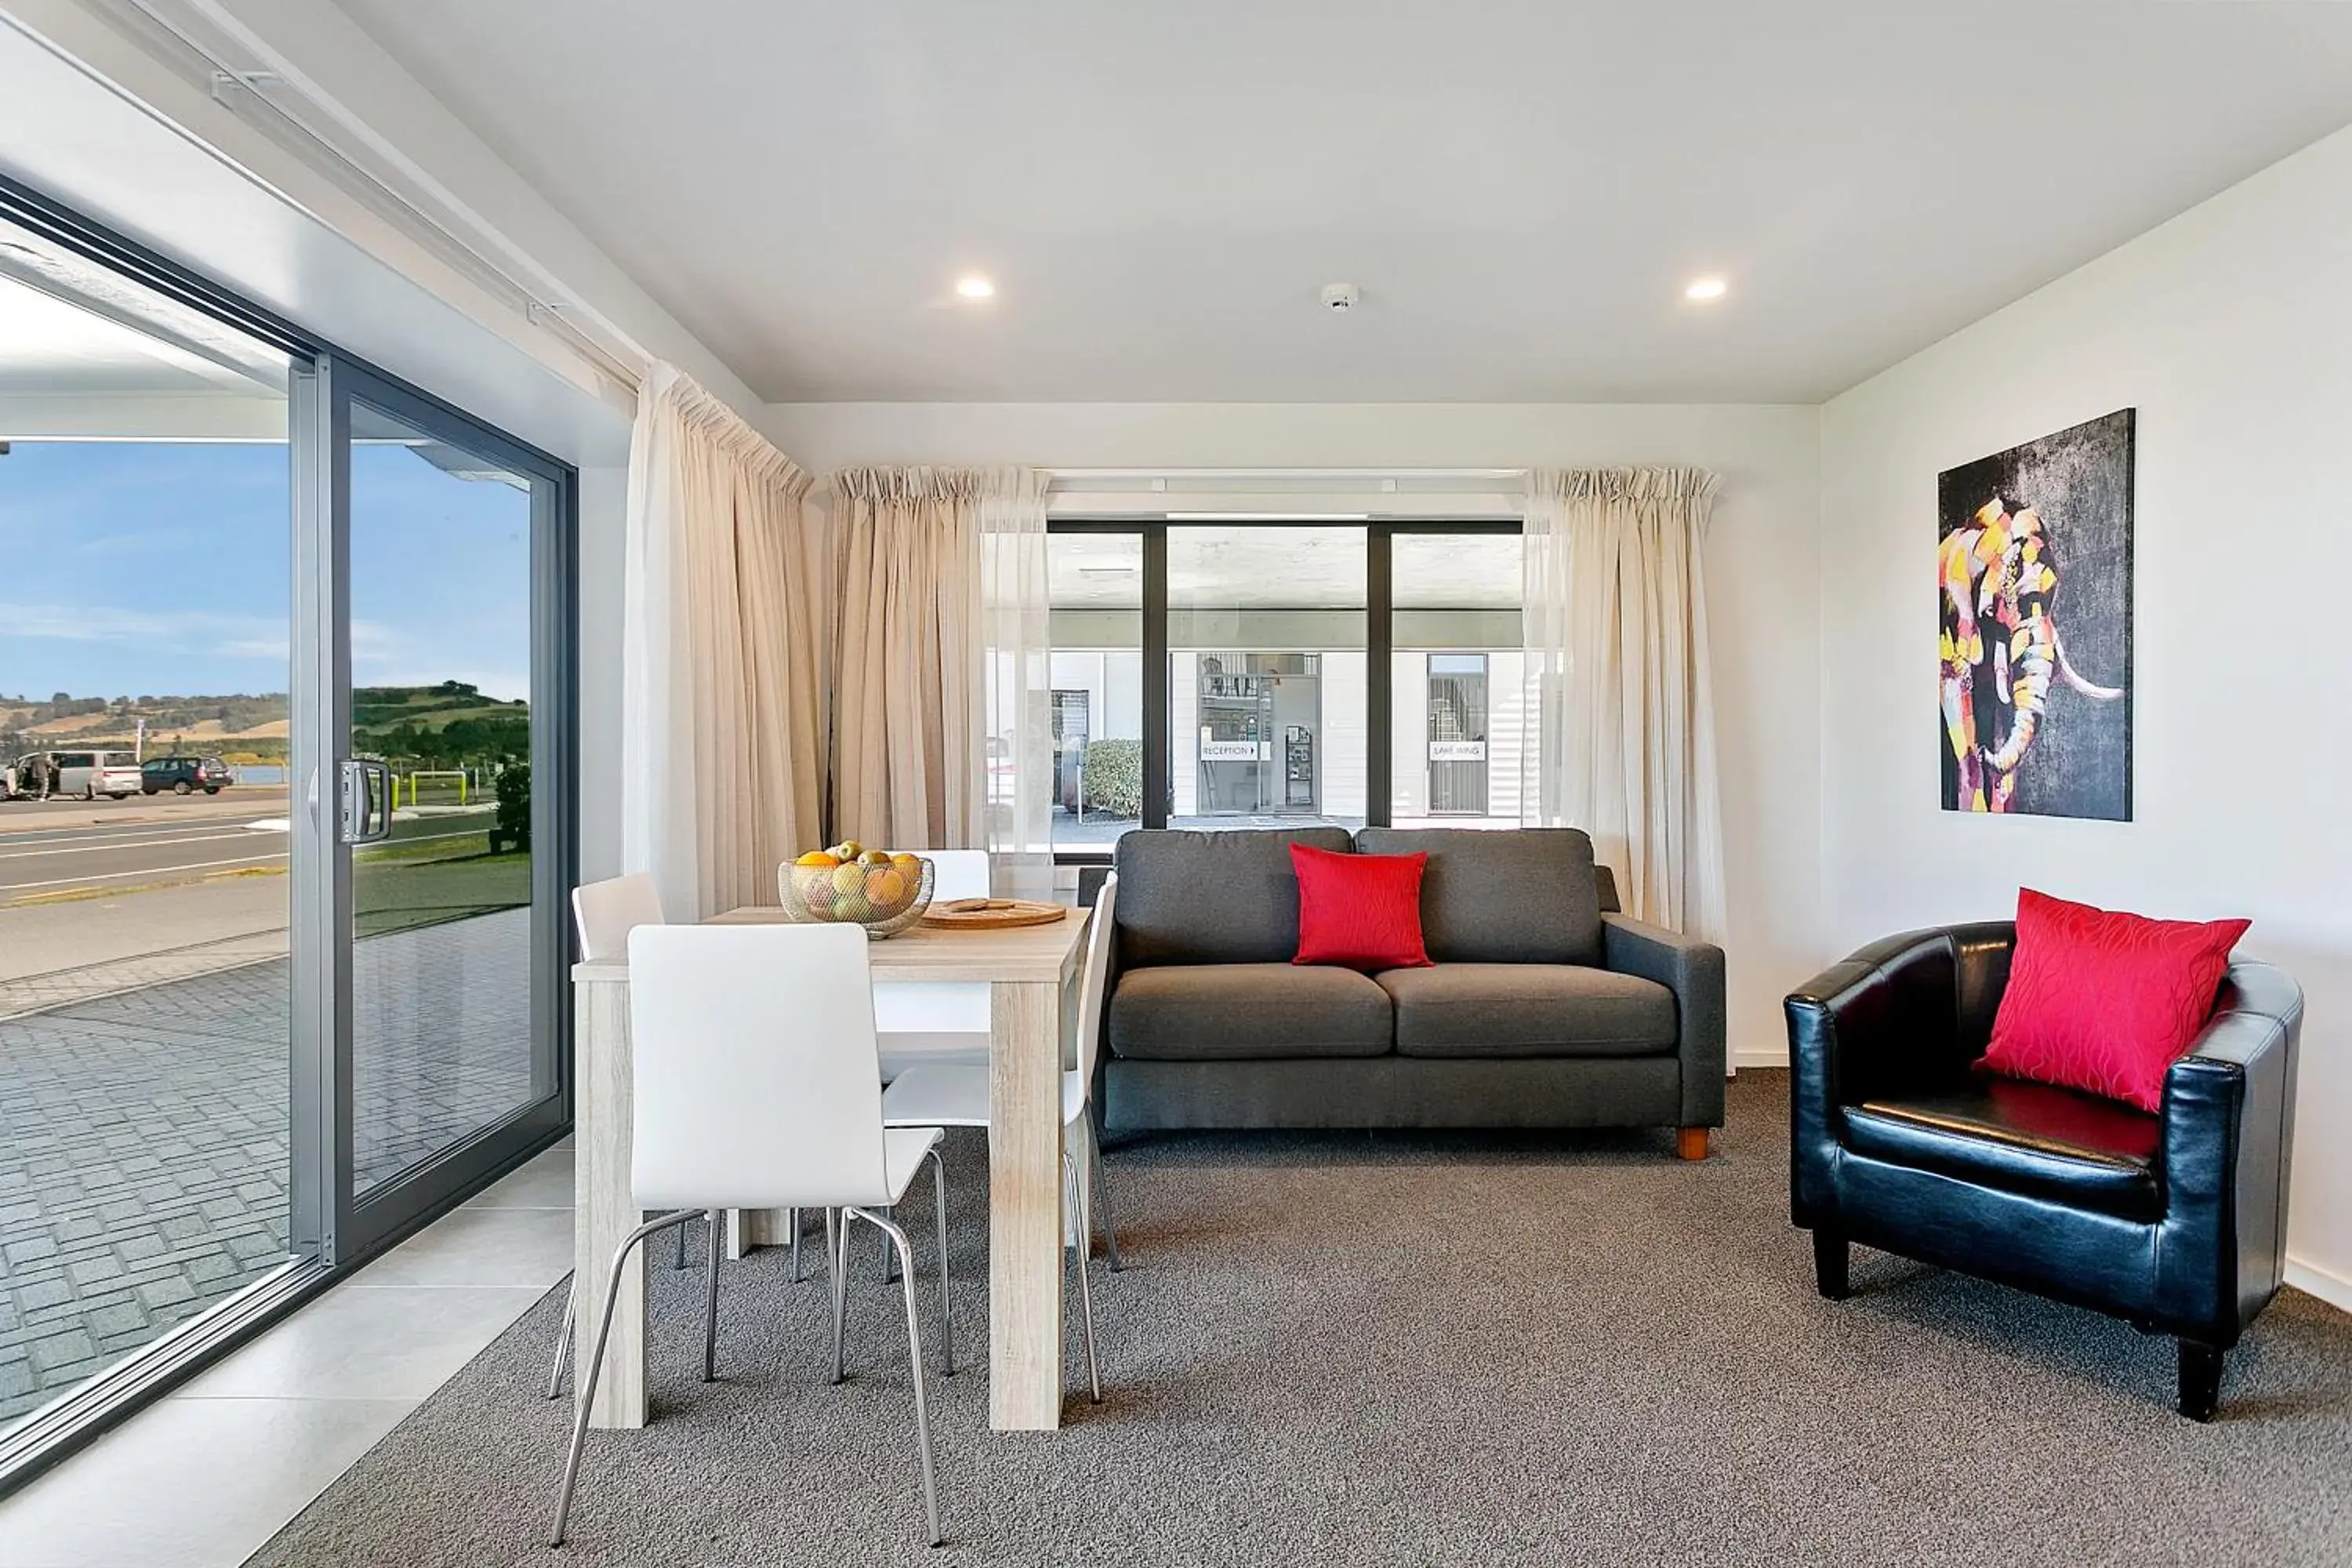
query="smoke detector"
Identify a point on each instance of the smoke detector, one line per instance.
(1341, 297)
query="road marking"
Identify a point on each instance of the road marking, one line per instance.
(116, 832)
(142, 871)
(7, 887)
(119, 847)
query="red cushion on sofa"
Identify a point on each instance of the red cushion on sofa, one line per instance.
(1359, 912)
(2103, 1001)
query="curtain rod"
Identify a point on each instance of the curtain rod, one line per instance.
(203, 41)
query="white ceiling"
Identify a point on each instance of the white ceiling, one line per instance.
(1520, 189)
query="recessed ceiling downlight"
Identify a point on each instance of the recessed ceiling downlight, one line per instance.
(975, 287)
(1705, 289)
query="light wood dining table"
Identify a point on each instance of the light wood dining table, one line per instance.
(1030, 972)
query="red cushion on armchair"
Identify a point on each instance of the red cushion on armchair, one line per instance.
(1359, 912)
(2103, 1001)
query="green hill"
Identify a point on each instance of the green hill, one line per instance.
(448, 725)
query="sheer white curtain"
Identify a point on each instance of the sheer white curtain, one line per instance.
(1620, 692)
(942, 735)
(724, 648)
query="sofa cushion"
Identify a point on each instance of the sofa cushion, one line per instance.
(1212, 898)
(1527, 1010)
(1523, 895)
(1359, 911)
(2034, 1140)
(2103, 1001)
(1223, 1012)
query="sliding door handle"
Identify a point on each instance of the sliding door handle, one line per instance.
(367, 803)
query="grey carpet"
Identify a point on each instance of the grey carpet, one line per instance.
(1403, 1350)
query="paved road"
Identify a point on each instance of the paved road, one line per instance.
(47, 816)
(81, 852)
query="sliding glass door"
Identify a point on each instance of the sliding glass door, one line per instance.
(449, 675)
(285, 773)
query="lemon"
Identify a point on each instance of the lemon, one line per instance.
(816, 857)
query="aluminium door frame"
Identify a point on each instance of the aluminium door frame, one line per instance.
(363, 1222)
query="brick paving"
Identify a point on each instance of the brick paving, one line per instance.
(144, 1134)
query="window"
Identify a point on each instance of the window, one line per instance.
(1456, 706)
(1315, 672)
(1095, 580)
(1267, 673)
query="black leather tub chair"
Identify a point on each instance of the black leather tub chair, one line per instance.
(2175, 1222)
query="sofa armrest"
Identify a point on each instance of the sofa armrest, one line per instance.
(2227, 1151)
(1693, 971)
(1884, 1020)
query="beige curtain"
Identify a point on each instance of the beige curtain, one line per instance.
(942, 730)
(726, 635)
(1619, 686)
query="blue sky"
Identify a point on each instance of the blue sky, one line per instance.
(132, 568)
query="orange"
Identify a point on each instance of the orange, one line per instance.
(886, 888)
(816, 857)
(911, 864)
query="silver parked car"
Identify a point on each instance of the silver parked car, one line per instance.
(93, 773)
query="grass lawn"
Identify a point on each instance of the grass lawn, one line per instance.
(399, 887)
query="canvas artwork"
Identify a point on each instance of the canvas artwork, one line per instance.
(2034, 604)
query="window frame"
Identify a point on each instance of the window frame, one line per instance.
(1380, 644)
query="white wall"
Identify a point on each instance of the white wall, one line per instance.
(2231, 330)
(1761, 571)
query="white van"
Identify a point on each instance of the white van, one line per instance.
(93, 773)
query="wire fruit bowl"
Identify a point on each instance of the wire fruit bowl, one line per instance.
(885, 895)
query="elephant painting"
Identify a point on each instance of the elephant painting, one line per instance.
(2024, 729)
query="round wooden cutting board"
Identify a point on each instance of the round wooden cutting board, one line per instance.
(991, 914)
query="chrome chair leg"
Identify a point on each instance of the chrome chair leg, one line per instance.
(947, 1325)
(563, 1340)
(1102, 1197)
(681, 1249)
(793, 1218)
(915, 1359)
(596, 1365)
(710, 1300)
(1072, 1205)
(836, 1243)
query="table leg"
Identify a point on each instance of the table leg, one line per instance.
(1024, 1208)
(605, 1209)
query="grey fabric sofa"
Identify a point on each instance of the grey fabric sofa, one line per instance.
(1544, 1006)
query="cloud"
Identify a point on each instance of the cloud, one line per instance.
(186, 631)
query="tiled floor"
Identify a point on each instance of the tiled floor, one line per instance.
(202, 1477)
(143, 1134)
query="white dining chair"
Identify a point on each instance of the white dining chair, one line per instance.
(917, 1025)
(956, 1095)
(755, 1087)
